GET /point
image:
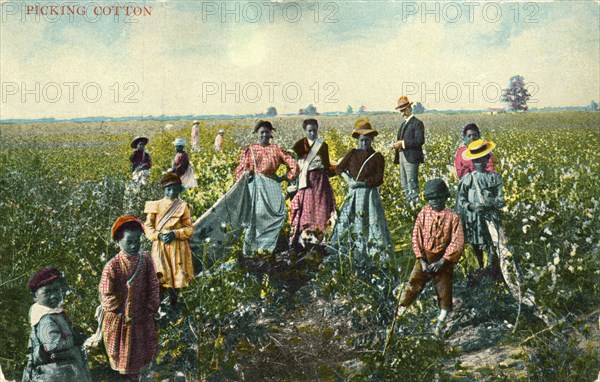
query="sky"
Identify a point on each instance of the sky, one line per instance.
(240, 57)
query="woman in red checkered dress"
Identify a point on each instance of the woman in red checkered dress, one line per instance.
(313, 204)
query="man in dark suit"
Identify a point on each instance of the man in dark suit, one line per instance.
(409, 150)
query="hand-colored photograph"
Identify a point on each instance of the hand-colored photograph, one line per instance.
(299, 190)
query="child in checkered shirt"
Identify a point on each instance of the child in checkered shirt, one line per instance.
(438, 243)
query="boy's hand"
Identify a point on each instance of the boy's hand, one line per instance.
(167, 237)
(436, 266)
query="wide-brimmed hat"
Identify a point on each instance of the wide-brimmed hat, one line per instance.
(221, 131)
(260, 123)
(477, 149)
(435, 186)
(169, 179)
(43, 277)
(403, 103)
(179, 142)
(196, 122)
(137, 140)
(122, 221)
(362, 126)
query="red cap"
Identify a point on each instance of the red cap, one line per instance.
(43, 277)
(122, 221)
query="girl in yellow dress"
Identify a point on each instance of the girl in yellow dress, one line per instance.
(169, 226)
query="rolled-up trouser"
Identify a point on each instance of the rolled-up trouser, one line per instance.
(442, 281)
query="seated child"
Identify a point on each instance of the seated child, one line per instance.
(438, 243)
(53, 353)
(169, 226)
(479, 201)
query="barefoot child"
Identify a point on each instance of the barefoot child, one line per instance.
(169, 226)
(438, 243)
(53, 354)
(130, 298)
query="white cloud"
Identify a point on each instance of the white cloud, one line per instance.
(172, 55)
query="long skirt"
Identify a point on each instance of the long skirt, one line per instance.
(362, 227)
(312, 206)
(257, 206)
(267, 217)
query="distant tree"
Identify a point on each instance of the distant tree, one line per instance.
(349, 110)
(593, 106)
(309, 110)
(418, 108)
(362, 109)
(516, 95)
(272, 110)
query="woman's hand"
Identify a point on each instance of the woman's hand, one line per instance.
(476, 207)
(357, 184)
(280, 179)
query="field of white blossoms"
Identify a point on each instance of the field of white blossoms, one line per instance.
(63, 185)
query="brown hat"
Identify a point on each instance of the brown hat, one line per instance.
(477, 149)
(43, 277)
(137, 140)
(121, 222)
(362, 126)
(169, 179)
(403, 103)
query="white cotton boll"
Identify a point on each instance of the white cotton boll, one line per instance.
(574, 247)
(547, 231)
(556, 260)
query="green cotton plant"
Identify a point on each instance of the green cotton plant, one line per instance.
(64, 184)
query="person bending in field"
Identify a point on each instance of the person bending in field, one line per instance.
(54, 354)
(438, 244)
(480, 198)
(129, 293)
(169, 227)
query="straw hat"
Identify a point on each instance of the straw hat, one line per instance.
(403, 103)
(137, 140)
(477, 149)
(196, 122)
(221, 132)
(362, 126)
(120, 223)
(179, 142)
